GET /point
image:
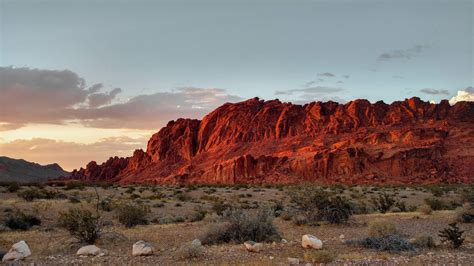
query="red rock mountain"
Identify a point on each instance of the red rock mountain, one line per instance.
(258, 141)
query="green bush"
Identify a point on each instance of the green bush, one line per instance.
(435, 204)
(82, 224)
(317, 204)
(453, 235)
(13, 187)
(21, 221)
(383, 203)
(130, 214)
(240, 226)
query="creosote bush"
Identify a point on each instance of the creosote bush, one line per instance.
(21, 221)
(390, 243)
(452, 235)
(316, 204)
(37, 193)
(190, 251)
(82, 224)
(383, 203)
(131, 214)
(240, 226)
(424, 241)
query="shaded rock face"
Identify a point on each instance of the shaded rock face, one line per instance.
(258, 141)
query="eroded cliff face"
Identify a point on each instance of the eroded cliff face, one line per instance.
(258, 141)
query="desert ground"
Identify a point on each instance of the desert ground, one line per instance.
(171, 217)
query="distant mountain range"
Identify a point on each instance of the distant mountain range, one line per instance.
(18, 170)
(258, 141)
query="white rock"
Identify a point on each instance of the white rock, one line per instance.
(142, 248)
(253, 247)
(310, 241)
(196, 242)
(284, 241)
(293, 261)
(90, 250)
(18, 251)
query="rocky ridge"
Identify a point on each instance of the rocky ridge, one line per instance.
(257, 141)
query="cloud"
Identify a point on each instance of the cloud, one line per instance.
(71, 155)
(326, 74)
(310, 90)
(58, 97)
(463, 95)
(100, 99)
(408, 53)
(346, 76)
(435, 91)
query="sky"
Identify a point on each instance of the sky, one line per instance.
(83, 80)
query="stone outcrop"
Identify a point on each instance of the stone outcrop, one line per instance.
(258, 141)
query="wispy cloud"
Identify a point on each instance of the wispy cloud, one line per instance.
(326, 74)
(407, 53)
(435, 91)
(310, 90)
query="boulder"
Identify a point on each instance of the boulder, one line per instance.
(310, 241)
(142, 248)
(18, 251)
(253, 246)
(196, 242)
(90, 250)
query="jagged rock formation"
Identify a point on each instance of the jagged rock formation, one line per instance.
(18, 170)
(258, 141)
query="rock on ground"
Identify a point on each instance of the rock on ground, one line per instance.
(142, 248)
(90, 250)
(18, 251)
(310, 241)
(253, 247)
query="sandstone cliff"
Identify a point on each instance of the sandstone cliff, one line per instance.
(258, 141)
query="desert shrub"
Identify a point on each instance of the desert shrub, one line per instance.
(383, 203)
(465, 214)
(390, 243)
(381, 228)
(82, 224)
(319, 256)
(13, 187)
(21, 221)
(286, 216)
(190, 251)
(452, 235)
(131, 214)
(74, 185)
(319, 205)
(435, 204)
(467, 195)
(198, 215)
(425, 209)
(73, 199)
(300, 219)
(424, 241)
(158, 205)
(36, 193)
(240, 226)
(400, 206)
(106, 204)
(220, 206)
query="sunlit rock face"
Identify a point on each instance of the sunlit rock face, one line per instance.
(258, 141)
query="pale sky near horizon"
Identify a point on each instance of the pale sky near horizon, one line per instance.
(82, 80)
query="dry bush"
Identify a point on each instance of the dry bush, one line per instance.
(424, 241)
(132, 214)
(381, 228)
(319, 256)
(240, 226)
(20, 221)
(190, 251)
(465, 214)
(425, 209)
(82, 224)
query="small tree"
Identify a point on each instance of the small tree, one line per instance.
(453, 235)
(130, 214)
